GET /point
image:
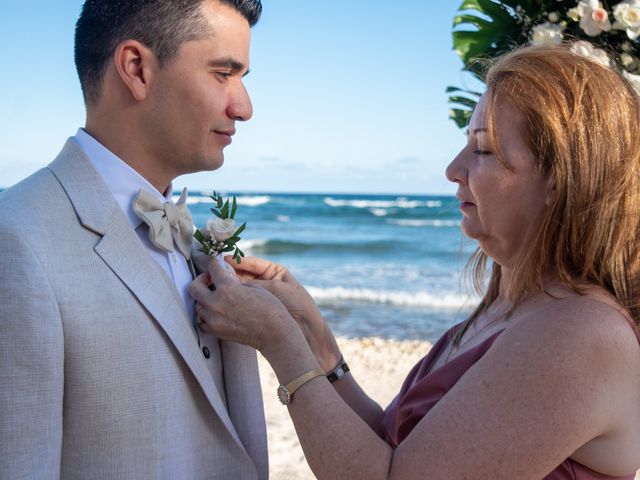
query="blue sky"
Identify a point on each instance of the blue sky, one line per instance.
(348, 96)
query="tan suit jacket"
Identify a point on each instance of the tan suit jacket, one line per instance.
(101, 374)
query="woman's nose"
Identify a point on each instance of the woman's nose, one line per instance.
(456, 172)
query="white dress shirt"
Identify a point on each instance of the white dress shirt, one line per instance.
(124, 183)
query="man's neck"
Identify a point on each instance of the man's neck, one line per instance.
(129, 149)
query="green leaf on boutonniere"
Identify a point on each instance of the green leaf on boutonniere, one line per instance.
(240, 230)
(225, 210)
(199, 236)
(234, 207)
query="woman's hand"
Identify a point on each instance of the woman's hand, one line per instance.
(300, 305)
(240, 312)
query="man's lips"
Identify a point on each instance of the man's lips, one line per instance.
(231, 132)
(226, 134)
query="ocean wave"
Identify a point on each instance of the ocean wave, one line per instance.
(266, 247)
(399, 298)
(197, 200)
(283, 218)
(379, 212)
(252, 244)
(423, 223)
(378, 204)
(252, 201)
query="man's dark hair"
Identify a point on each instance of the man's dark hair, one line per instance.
(161, 25)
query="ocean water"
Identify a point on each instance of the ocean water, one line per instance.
(377, 265)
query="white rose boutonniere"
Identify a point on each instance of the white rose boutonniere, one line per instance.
(221, 229)
(220, 234)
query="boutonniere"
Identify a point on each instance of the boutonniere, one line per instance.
(220, 235)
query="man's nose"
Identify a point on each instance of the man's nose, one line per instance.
(240, 107)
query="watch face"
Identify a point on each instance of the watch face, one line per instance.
(283, 395)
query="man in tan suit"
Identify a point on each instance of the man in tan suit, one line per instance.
(103, 373)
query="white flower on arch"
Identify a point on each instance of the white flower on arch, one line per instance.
(586, 49)
(593, 18)
(634, 80)
(627, 15)
(546, 34)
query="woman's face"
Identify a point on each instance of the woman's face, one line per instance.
(499, 206)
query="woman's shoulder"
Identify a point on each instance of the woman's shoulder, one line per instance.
(593, 311)
(592, 326)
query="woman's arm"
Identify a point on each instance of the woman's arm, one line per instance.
(547, 388)
(301, 306)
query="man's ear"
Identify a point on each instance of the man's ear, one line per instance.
(551, 191)
(135, 65)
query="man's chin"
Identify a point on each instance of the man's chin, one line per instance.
(212, 164)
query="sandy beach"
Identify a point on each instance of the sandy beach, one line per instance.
(391, 361)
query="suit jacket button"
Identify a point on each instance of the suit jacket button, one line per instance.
(206, 352)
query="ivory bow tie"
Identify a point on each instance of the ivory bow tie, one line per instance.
(168, 223)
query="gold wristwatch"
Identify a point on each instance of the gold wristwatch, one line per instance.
(285, 392)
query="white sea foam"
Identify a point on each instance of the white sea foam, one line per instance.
(250, 244)
(379, 212)
(283, 218)
(378, 204)
(399, 298)
(192, 200)
(423, 223)
(254, 201)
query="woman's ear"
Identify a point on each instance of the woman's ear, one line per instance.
(135, 64)
(551, 191)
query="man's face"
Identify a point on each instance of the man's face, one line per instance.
(197, 97)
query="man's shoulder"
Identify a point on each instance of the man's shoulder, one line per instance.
(32, 194)
(46, 190)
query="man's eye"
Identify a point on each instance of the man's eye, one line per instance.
(223, 75)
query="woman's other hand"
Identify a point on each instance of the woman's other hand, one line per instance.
(238, 311)
(299, 303)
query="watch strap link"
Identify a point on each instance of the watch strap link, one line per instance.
(285, 392)
(302, 379)
(338, 372)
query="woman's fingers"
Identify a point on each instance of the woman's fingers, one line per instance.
(199, 288)
(218, 272)
(249, 264)
(257, 267)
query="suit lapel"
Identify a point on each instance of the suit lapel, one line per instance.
(121, 249)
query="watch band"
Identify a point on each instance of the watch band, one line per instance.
(285, 392)
(338, 372)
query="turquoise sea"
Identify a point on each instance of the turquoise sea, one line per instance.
(377, 265)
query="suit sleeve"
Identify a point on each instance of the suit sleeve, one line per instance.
(31, 364)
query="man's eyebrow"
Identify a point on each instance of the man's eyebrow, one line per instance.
(227, 62)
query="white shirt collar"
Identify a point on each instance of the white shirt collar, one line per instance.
(123, 181)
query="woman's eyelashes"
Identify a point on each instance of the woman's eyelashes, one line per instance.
(480, 151)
